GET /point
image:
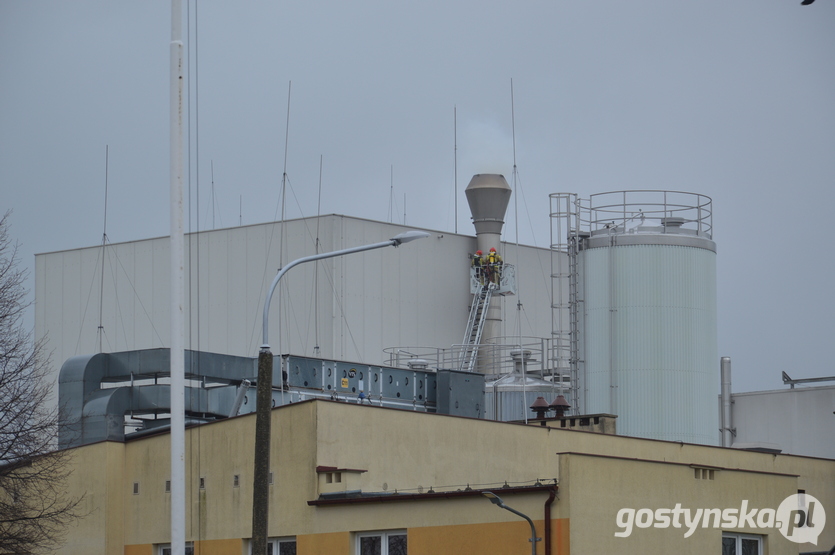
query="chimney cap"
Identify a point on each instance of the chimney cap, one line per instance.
(488, 195)
(559, 402)
(539, 404)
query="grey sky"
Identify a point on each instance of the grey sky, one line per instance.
(732, 99)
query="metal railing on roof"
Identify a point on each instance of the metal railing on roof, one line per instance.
(501, 356)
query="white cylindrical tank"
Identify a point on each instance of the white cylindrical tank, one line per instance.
(648, 287)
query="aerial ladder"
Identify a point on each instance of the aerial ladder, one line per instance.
(475, 326)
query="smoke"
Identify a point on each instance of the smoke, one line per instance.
(484, 147)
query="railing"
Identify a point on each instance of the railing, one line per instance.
(500, 356)
(648, 211)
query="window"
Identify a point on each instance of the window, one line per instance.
(741, 544)
(382, 543)
(281, 547)
(136, 488)
(278, 546)
(165, 549)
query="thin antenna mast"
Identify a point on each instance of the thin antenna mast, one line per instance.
(213, 193)
(100, 331)
(455, 164)
(391, 194)
(283, 239)
(516, 194)
(518, 289)
(316, 269)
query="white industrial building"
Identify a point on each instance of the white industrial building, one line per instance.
(798, 421)
(619, 315)
(345, 308)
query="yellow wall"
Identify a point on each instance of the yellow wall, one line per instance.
(139, 549)
(205, 547)
(507, 538)
(219, 547)
(338, 543)
(411, 452)
(601, 487)
(98, 474)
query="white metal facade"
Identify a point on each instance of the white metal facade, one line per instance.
(797, 421)
(417, 294)
(649, 339)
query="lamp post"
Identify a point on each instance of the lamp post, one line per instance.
(263, 404)
(496, 500)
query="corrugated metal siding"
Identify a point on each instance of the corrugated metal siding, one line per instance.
(650, 340)
(416, 295)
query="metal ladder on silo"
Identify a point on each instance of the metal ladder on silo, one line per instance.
(475, 326)
(565, 291)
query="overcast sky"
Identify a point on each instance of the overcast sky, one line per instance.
(732, 99)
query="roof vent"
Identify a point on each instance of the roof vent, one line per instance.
(672, 221)
(559, 405)
(540, 407)
(417, 363)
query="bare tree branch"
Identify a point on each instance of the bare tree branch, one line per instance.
(34, 507)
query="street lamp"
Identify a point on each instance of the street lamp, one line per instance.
(263, 404)
(496, 500)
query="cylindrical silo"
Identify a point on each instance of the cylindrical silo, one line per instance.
(647, 266)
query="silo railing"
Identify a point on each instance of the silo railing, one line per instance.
(647, 211)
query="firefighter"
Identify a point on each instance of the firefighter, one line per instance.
(494, 265)
(478, 264)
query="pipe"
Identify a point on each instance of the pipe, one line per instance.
(547, 533)
(239, 399)
(727, 425)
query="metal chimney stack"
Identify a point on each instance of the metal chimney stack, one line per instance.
(488, 195)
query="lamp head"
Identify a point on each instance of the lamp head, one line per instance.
(494, 499)
(407, 236)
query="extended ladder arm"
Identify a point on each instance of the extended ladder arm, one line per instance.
(475, 326)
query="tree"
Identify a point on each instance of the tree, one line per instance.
(34, 506)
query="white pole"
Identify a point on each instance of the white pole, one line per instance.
(727, 434)
(178, 497)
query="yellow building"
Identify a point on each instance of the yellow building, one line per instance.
(351, 479)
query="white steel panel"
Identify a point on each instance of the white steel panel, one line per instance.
(416, 294)
(650, 340)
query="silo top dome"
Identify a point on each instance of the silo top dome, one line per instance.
(647, 217)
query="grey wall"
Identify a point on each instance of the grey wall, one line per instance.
(799, 421)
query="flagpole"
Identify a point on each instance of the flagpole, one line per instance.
(178, 504)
